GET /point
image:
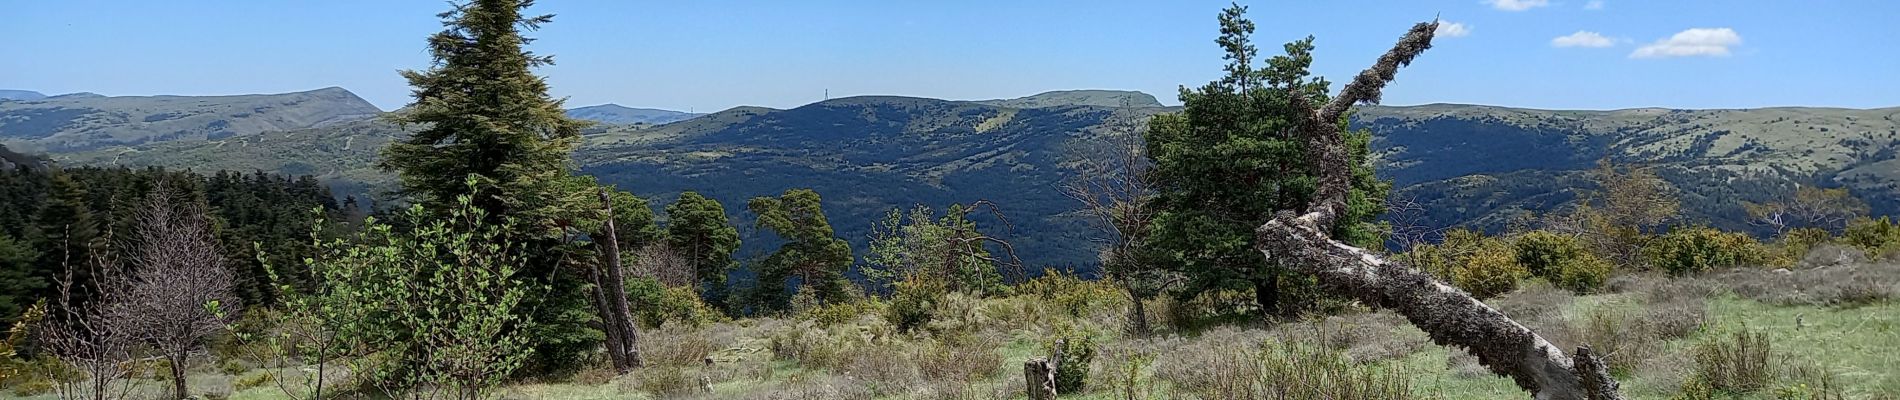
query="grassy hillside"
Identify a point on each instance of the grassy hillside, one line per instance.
(63, 123)
(1652, 328)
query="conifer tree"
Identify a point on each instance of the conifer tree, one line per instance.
(811, 254)
(697, 230)
(1230, 159)
(66, 234)
(483, 114)
(19, 283)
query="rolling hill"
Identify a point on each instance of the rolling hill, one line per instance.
(618, 114)
(1467, 165)
(1098, 98)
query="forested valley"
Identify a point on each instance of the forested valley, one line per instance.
(484, 242)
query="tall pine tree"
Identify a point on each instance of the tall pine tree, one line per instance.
(484, 115)
(66, 235)
(697, 229)
(1230, 159)
(811, 258)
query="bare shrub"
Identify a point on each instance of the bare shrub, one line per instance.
(1216, 365)
(666, 381)
(1826, 255)
(180, 295)
(1214, 369)
(1296, 370)
(1842, 285)
(885, 370)
(1536, 300)
(1618, 335)
(1364, 337)
(1674, 319)
(974, 361)
(658, 261)
(1741, 364)
(676, 346)
(86, 336)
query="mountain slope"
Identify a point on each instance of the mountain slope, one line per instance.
(618, 114)
(72, 122)
(1466, 165)
(1481, 165)
(1098, 98)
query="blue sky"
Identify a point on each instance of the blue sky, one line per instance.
(709, 55)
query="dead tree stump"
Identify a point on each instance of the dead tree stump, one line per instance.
(1039, 376)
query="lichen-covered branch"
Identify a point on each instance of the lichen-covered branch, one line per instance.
(1450, 316)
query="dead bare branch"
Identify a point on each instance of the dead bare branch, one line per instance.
(1448, 315)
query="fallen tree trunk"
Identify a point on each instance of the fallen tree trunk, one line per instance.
(1450, 316)
(1447, 314)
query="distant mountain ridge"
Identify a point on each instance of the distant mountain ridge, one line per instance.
(20, 95)
(618, 114)
(1465, 165)
(1098, 98)
(82, 121)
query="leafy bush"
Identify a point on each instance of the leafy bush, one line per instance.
(1875, 236)
(1697, 249)
(1561, 259)
(1487, 271)
(806, 345)
(1795, 244)
(1482, 266)
(1078, 351)
(1070, 294)
(841, 312)
(654, 304)
(913, 303)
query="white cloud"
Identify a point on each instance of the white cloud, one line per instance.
(1516, 5)
(1713, 42)
(1593, 5)
(1582, 39)
(1451, 29)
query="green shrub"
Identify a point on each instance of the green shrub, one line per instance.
(1875, 236)
(1696, 249)
(1078, 351)
(1582, 275)
(1561, 259)
(1483, 266)
(1489, 270)
(1796, 243)
(914, 302)
(1542, 252)
(841, 312)
(654, 304)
